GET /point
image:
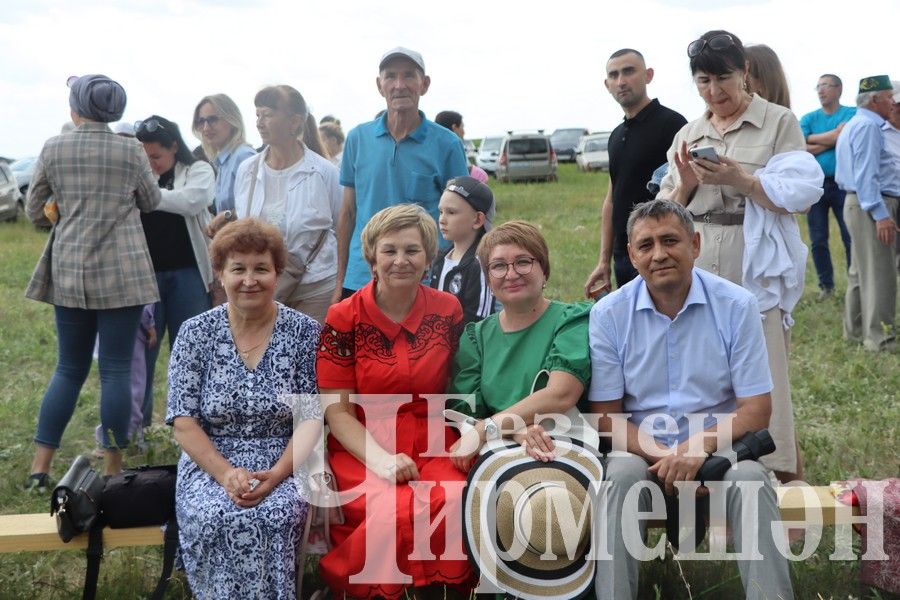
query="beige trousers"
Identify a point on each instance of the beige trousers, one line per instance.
(870, 305)
(722, 253)
(312, 299)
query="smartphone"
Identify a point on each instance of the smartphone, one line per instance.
(707, 152)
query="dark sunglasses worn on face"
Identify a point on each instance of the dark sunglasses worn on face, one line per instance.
(210, 120)
(150, 125)
(716, 42)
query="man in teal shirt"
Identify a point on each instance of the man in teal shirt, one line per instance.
(399, 157)
(821, 129)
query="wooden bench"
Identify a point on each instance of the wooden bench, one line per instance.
(35, 532)
(29, 533)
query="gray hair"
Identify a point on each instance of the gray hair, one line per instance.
(863, 99)
(659, 209)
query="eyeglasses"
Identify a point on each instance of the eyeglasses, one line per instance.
(825, 86)
(210, 120)
(150, 125)
(521, 266)
(716, 42)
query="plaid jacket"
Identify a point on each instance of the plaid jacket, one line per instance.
(96, 257)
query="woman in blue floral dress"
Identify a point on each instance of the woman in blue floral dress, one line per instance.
(239, 376)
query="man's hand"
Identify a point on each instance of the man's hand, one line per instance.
(676, 467)
(886, 231)
(598, 280)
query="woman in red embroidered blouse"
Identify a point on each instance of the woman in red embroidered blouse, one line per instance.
(396, 338)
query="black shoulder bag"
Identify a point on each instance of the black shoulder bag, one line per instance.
(84, 502)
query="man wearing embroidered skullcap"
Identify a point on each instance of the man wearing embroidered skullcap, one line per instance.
(400, 157)
(867, 172)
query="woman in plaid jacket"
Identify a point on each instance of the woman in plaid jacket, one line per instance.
(95, 269)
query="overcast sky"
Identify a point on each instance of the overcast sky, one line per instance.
(503, 65)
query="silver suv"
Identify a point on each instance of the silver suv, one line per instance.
(526, 156)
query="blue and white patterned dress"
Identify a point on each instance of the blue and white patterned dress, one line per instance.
(229, 551)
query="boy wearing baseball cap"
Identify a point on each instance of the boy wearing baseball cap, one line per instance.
(466, 210)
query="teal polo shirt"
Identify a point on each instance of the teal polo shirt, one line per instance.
(385, 172)
(818, 121)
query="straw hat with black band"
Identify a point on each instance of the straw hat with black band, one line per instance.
(527, 523)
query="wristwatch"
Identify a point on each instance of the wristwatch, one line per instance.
(229, 216)
(491, 431)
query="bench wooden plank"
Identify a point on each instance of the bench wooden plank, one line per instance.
(27, 533)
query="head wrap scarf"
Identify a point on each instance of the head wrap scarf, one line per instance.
(97, 97)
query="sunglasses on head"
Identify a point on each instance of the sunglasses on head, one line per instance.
(150, 125)
(210, 120)
(716, 42)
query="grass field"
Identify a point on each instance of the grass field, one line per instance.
(845, 402)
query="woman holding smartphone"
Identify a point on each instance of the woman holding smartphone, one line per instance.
(745, 131)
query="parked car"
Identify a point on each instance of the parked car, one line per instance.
(565, 141)
(471, 152)
(11, 199)
(592, 153)
(488, 153)
(525, 156)
(23, 169)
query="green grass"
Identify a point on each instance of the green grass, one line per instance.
(845, 402)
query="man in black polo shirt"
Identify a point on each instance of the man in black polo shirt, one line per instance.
(636, 148)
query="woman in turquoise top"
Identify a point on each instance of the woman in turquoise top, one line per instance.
(529, 359)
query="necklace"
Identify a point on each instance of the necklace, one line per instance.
(245, 354)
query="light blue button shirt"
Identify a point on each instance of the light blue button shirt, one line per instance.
(863, 162)
(712, 353)
(226, 168)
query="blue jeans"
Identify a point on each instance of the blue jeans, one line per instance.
(623, 268)
(76, 331)
(182, 295)
(817, 219)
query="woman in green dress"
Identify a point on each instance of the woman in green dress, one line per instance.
(531, 358)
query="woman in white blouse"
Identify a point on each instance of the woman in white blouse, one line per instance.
(292, 186)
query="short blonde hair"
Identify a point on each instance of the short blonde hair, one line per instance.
(395, 218)
(519, 233)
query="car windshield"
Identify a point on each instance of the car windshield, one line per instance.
(23, 164)
(491, 144)
(528, 146)
(567, 135)
(595, 145)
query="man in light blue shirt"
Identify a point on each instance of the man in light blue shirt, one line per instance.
(399, 157)
(866, 171)
(668, 350)
(821, 129)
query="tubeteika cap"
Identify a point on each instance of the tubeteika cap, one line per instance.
(875, 83)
